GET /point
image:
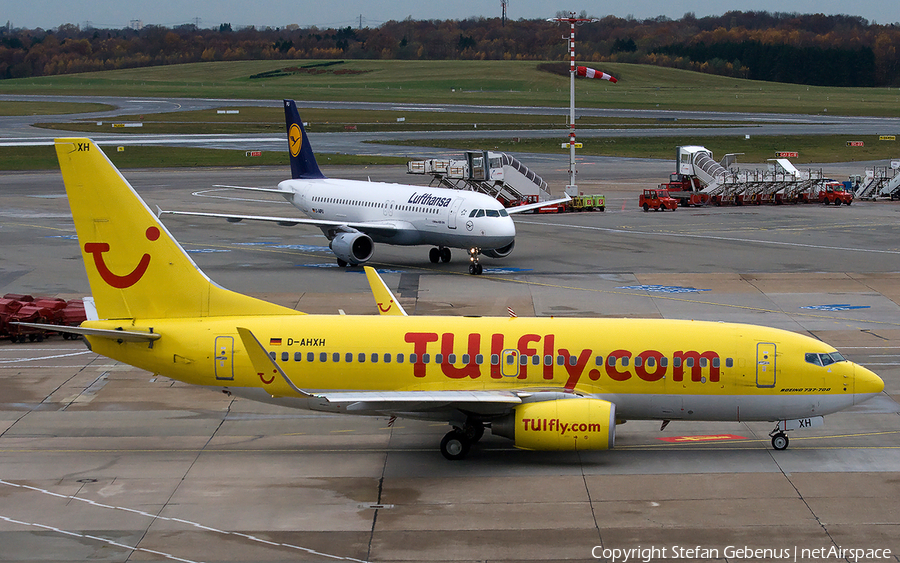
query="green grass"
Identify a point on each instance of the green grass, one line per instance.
(471, 82)
(44, 158)
(811, 148)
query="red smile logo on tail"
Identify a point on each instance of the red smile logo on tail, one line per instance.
(120, 282)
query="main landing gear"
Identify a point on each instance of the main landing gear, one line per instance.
(439, 254)
(474, 264)
(779, 439)
(457, 442)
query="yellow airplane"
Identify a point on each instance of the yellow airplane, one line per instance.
(545, 383)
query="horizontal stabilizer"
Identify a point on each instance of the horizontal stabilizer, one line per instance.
(122, 335)
(533, 206)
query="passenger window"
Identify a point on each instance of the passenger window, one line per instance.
(535, 360)
(598, 361)
(651, 361)
(624, 361)
(451, 359)
(387, 358)
(689, 362)
(348, 357)
(310, 357)
(374, 358)
(548, 360)
(611, 361)
(703, 362)
(413, 358)
(523, 360)
(361, 357)
(399, 358)
(495, 360)
(272, 355)
(715, 363)
(426, 358)
(466, 359)
(676, 362)
(479, 359)
(438, 358)
(729, 362)
(298, 356)
(336, 357)
(638, 361)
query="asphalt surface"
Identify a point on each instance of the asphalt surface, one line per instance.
(100, 461)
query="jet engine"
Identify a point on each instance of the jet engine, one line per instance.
(561, 424)
(501, 252)
(352, 248)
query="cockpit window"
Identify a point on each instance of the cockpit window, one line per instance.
(825, 359)
(472, 214)
(480, 213)
(503, 213)
(493, 213)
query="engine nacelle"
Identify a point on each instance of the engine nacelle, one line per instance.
(501, 252)
(353, 248)
(561, 424)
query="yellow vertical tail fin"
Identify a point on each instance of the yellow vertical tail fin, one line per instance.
(135, 267)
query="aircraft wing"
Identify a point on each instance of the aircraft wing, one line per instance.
(266, 190)
(384, 401)
(533, 206)
(379, 226)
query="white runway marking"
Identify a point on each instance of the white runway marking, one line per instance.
(45, 357)
(155, 517)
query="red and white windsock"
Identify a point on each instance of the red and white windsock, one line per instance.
(591, 73)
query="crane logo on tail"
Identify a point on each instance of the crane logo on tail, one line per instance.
(295, 139)
(120, 282)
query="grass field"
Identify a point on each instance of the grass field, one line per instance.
(469, 82)
(811, 149)
(44, 158)
(441, 82)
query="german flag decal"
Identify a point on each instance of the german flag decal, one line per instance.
(274, 342)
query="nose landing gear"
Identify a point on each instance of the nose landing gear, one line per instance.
(780, 440)
(474, 266)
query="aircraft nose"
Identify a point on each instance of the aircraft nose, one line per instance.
(866, 384)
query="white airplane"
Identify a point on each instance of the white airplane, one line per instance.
(354, 215)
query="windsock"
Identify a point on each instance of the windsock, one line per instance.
(591, 73)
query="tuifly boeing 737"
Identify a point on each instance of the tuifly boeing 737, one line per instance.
(544, 383)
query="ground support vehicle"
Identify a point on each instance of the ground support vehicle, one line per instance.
(15, 308)
(656, 199)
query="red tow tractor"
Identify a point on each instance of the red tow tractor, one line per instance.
(657, 199)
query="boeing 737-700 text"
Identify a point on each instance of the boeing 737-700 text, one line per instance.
(545, 383)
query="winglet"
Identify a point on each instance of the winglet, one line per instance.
(384, 299)
(277, 382)
(303, 161)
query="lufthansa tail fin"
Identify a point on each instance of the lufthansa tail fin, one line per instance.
(135, 267)
(303, 162)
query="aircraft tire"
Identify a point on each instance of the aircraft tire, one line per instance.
(341, 263)
(445, 255)
(434, 255)
(455, 445)
(780, 441)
